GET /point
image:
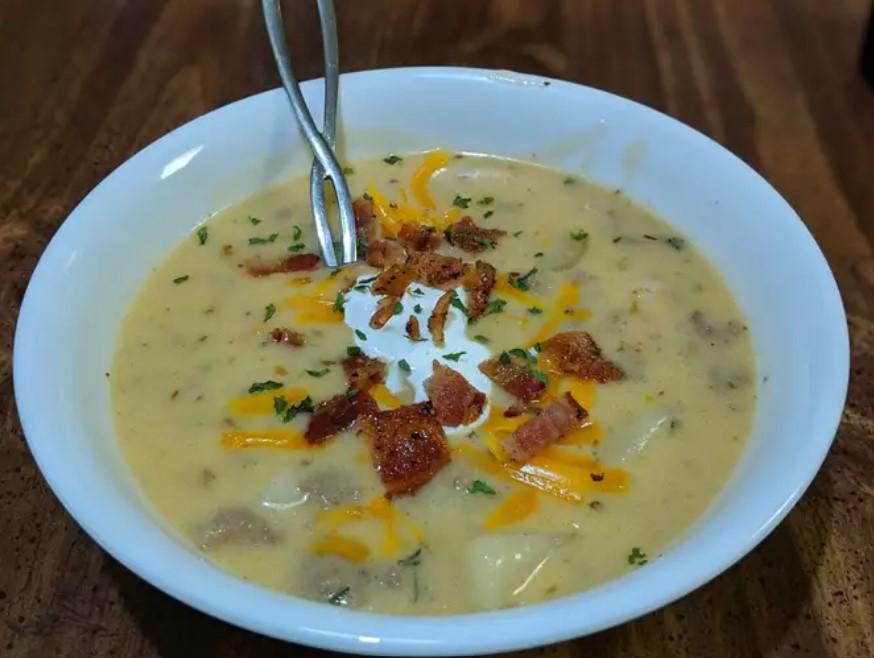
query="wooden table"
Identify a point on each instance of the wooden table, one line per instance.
(84, 84)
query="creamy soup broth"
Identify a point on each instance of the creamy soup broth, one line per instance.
(657, 447)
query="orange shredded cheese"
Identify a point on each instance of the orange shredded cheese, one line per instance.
(289, 439)
(433, 162)
(516, 507)
(383, 511)
(257, 404)
(384, 397)
(345, 547)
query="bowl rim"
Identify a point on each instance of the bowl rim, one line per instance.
(517, 628)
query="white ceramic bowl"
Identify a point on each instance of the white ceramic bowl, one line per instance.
(105, 250)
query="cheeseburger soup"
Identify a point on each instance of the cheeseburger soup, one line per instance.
(528, 385)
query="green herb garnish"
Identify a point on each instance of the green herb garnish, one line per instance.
(518, 351)
(280, 404)
(367, 197)
(348, 171)
(296, 232)
(478, 486)
(318, 373)
(461, 201)
(403, 365)
(269, 311)
(304, 406)
(535, 311)
(181, 279)
(417, 291)
(579, 236)
(353, 350)
(255, 221)
(570, 180)
(676, 242)
(297, 247)
(486, 201)
(361, 335)
(482, 339)
(202, 235)
(637, 557)
(412, 560)
(339, 303)
(392, 159)
(518, 233)
(351, 393)
(271, 238)
(488, 214)
(496, 306)
(521, 282)
(417, 308)
(505, 359)
(454, 356)
(260, 387)
(397, 309)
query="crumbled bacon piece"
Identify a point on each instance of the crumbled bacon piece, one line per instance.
(557, 419)
(437, 320)
(393, 281)
(455, 401)
(466, 235)
(385, 309)
(363, 372)
(412, 328)
(364, 222)
(287, 337)
(513, 374)
(339, 413)
(481, 289)
(295, 263)
(438, 271)
(385, 253)
(576, 352)
(407, 445)
(418, 237)
(227, 249)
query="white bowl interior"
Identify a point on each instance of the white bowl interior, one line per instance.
(107, 248)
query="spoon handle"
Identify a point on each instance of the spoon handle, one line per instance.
(321, 145)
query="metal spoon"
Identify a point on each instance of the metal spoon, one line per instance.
(325, 166)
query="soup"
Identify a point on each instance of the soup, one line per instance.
(527, 386)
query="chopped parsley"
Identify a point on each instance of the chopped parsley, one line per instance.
(348, 171)
(542, 376)
(478, 486)
(579, 236)
(488, 214)
(255, 221)
(454, 356)
(518, 351)
(518, 233)
(676, 242)
(417, 308)
(260, 387)
(361, 335)
(403, 365)
(416, 291)
(412, 560)
(339, 303)
(353, 350)
(269, 311)
(569, 180)
(485, 242)
(270, 238)
(535, 311)
(505, 359)
(280, 404)
(351, 393)
(637, 557)
(539, 254)
(486, 201)
(202, 235)
(496, 306)
(482, 339)
(617, 239)
(291, 410)
(296, 232)
(360, 288)
(299, 246)
(367, 197)
(318, 373)
(521, 282)
(392, 159)
(397, 309)
(461, 201)
(181, 279)
(457, 303)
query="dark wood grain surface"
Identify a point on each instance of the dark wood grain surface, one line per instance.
(84, 84)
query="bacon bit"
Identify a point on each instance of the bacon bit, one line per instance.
(227, 249)
(365, 217)
(438, 271)
(514, 376)
(412, 328)
(393, 281)
(466, 235)
(407, 445)
(455, 401)
(385, 253)
(437, 320)
(555, 421)
(295, 263)
(481, 289)
(385, 309)
(521, 409)
(363, 372)
(337, 414)
(577, 352)
(418, 237)
(287, 337)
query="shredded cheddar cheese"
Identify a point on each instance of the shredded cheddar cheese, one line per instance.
(517, 507)
(257, 404)
(289, 439)
(433, 162)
